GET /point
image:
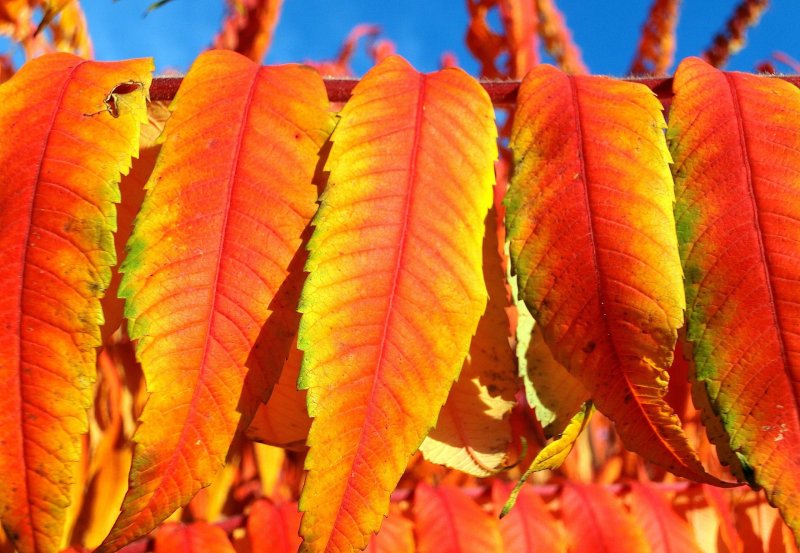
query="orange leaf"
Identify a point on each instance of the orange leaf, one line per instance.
(220, 224)
(395, 289)
(592, 240)
(663, 528)
(273, 528)
(529, 526)
(736, 143)
(59, 168)
(447, 521)
(473, 431)
(199, 537)
(596, 521)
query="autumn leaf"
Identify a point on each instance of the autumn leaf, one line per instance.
(593, 244)
(395, 287)
(553, 454)
(59, 168)
(221, 222)
(447, 521)
(473, 431)
(736, 143)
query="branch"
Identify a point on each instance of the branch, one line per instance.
(502, 93)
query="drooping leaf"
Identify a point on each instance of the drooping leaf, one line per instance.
(473, 431)
(664, 529)
(60, 163)
(395, 288)
(529, 527)
(220, 225)
(592, 240)
(448, 521)
(198, 537)
(273, 527)
(736, 143)
(596, 521)
(553, 454)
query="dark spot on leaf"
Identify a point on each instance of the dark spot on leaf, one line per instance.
(116, 92)
(628, 397)
(589, 347)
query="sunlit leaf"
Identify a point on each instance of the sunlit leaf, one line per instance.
(553, 454)
(593, 243)
(736, 143)
(220, 225)
(61, 158)
(395, 288)
(473, 431)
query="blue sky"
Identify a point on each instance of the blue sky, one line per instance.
(606, 31)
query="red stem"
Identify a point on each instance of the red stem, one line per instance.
(502, 93)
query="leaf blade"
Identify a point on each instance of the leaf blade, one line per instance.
(608, 305)
(392, 187)
(738, 248)
(60, 165)
(213, 244)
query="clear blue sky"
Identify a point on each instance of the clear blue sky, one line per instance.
(606, 31)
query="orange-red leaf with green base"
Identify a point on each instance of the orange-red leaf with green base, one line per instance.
(61, 158)
(592, 240)
(736, 143)
(395, 287)
(212, 246)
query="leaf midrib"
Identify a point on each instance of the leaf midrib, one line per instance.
(411, 185)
